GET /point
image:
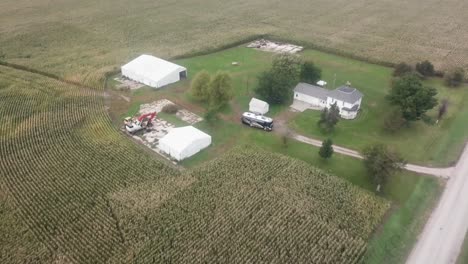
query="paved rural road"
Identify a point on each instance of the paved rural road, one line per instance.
(439, 172)
(443, 234)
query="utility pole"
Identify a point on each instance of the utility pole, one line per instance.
(334, 82)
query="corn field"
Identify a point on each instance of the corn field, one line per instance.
(251, 206)
(60, 157)
(74, 190)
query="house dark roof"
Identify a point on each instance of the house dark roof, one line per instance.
(346, 94)
(312, 90)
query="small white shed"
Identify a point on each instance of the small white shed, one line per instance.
(183, 142)
(154, 72)
(258, 106)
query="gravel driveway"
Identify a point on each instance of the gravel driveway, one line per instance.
(443, 234)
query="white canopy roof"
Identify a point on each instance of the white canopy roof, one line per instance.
(183, 142)
(258, 106)
(155, 70)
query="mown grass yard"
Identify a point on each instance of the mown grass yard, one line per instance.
(429, 144)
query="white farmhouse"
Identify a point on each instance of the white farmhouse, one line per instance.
(347, 98)
(154, 72)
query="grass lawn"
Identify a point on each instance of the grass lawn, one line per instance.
(420, 143)
(463, 258)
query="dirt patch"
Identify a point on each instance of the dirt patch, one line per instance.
(150, 137)
(127, 84)
(276, 47)
(183, 114)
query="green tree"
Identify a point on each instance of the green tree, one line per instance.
(412, 97)
(310, 73)
(276, 84)
(200, 86)
(220, 91)
(329, 118)
(455, 77)
(402, 69)
(381, 163)
(425, 68)
(326, 151)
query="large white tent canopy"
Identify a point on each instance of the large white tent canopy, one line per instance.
(258, 106)
(152, 71)
(183, 142)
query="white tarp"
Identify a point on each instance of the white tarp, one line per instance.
(258, 106)
(152, 71)
(183, 142)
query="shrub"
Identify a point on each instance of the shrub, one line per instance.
(211, 116)
(170, 109)
(402, 69)
(310, 73)
(425, 68)
(455, 77)
(326, 151)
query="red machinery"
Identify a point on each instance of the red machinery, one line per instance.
(143, 121)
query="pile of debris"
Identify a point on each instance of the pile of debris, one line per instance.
(277, 47)
(127, 84)
(182, 114)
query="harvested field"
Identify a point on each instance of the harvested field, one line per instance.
(81, 40)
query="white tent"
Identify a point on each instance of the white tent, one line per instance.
(152, 71)
(258, 106)
(183, 142)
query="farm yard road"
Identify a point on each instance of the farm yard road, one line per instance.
(443, 235)
(438, 172)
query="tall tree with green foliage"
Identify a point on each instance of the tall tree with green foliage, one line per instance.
(381, 163)
(329, 118)
(276, 84)
(200, 86)
(413, 99)
(425, 68)
(326, 150)
(310, 73)
(220, 91)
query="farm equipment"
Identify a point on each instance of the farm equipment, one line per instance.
(144, 121)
